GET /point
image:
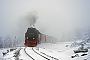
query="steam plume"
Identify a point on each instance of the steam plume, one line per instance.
(32, 18)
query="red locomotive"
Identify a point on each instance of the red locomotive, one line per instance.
(32, 37)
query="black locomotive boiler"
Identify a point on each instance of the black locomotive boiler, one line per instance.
(32, 37)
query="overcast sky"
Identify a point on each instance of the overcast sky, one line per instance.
(54, 16)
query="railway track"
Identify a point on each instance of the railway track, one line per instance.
(34, 55)
(31, 53)
(45, 55)
(41, 55)
(28, 54)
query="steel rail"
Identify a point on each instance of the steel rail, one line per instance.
(28, 54)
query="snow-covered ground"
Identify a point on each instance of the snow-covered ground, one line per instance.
(61, 51)
(65, 49)
(1, 55)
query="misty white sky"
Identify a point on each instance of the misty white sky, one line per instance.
(54, 16)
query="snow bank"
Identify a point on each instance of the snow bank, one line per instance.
(1, 55)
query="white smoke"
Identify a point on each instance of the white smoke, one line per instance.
(32, 18)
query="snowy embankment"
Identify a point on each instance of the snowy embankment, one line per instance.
(1, 55)
(66, 48)
(56, 47)
(3, 52)
(9, 53)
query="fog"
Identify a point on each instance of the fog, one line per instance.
(55, 17)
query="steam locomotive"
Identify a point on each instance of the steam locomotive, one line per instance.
(32, 37)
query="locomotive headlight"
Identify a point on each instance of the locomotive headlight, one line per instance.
(27, 37)
(33, 38)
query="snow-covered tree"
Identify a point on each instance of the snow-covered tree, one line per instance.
(1, 42)
(78, 34)
(7, 42)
